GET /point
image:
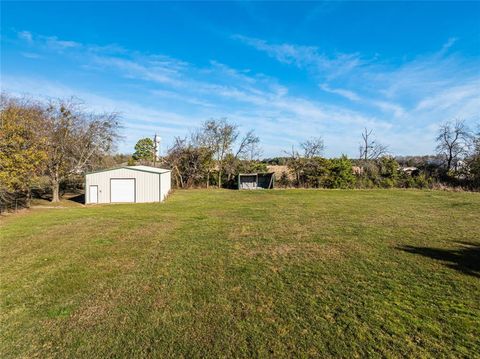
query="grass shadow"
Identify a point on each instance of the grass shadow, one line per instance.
(465, 259)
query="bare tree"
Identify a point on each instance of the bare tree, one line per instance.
(248, 146)
(189, 162)
(476, 142)
(219, 136)
(297, 163)
(313, 147)
(294, 163)
(453, 141)
(370, 149)
(76, 140)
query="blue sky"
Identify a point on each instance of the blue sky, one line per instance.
(288, 70)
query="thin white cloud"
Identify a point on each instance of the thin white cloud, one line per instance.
(26, 36)
(49, 42)
(156, 72)
(31, 55)
(446, 46)
(172, 95)
(352, 96)
(394, 109)
(400, 102)
(54, 42)
(451, 97)
(437, 81)
(305, 56)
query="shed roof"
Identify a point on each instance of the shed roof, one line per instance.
(256, 173)
(135, 168)
(148, 169)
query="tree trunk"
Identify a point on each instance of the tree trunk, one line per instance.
(179, 176)
(208, 178)
(219, 179)
(449, 162)
(29, 197)
(55, 191)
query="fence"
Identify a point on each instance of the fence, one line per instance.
(12, 202)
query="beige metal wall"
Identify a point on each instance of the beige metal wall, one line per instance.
(147, 184)
(165, 184)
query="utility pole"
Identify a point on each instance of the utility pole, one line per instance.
(156, 146)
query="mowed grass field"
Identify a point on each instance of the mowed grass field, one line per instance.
(283, 273)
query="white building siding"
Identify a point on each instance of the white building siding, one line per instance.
(148, 186)
(165, 184)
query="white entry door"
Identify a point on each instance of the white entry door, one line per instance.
(93, 191)
(122, 190)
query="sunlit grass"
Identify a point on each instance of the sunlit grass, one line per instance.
(246, 274)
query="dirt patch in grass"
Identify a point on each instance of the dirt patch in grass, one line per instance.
(96, 309)
(299, 251)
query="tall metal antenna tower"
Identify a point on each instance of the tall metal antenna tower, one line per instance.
(157, 148)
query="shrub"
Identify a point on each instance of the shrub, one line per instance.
(340, 173)
(284, 180)
(421, 181)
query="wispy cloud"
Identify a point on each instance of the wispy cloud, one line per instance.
(31, 55)
(400, 101)
(157, 71)
(352, 96)
(432, 86)
(460, 101)
(54, 42)
(176, 96)
(26, 36)
(50, 42)
(447, 45)
(306, 56)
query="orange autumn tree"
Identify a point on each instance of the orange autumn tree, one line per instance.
(22, 144)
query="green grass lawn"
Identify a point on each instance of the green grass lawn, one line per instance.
(305, 273)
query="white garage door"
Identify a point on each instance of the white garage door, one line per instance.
(122, 190)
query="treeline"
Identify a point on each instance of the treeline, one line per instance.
(456, 164)
(47, 144)
(216, 153)
(319, 172)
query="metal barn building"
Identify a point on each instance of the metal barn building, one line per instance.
(131, 184)
(256, 180)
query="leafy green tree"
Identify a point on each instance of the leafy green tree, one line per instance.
(144, 150)
(315, 171)
(341, 173)
(388, 170)
(388, 167)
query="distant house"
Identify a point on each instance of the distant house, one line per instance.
(128, 184)
(409, 170)
(357, 170)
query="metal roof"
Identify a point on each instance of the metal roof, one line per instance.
(147, 169)
(256, 173)
(134, 168)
